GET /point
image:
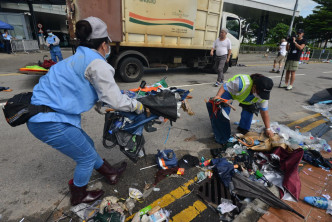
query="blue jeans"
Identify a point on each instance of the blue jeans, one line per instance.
(73, 142)
(56, 52)
(246, 117)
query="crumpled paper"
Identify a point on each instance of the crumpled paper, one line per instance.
(226, 206)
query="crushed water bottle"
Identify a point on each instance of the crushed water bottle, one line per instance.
(116, 127)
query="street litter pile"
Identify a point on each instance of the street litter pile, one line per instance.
(38, 68)
(112, 209)
(249, 166)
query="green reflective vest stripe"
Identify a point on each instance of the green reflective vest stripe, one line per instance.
(245, 91)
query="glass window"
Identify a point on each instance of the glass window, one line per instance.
(233, 26)
(14, 19)
(18, 32)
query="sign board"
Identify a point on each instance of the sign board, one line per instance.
(40, 26)
(160, 17)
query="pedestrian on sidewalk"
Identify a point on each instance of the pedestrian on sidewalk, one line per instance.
(295, 47)
(7, 41)
(223, 48)
(70, 88)
(281, 56)
(53, 42)
(253, 93)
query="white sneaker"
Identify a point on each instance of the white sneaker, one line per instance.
(290, 87)
(283, 85)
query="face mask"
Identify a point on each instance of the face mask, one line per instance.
(109, 53)
(50, 34)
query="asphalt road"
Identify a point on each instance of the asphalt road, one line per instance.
(34, 176)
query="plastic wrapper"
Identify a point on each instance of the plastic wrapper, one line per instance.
(324, 109)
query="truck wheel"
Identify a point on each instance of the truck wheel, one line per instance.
(131, 70)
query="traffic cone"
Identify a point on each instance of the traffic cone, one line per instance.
(302, 57)
(308, 55)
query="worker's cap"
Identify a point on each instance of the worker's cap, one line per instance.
(48, 30)
(99, 28)
(264, 86)
(300, 31)
(224, 29)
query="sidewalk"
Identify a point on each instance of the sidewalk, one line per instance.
(314, 182)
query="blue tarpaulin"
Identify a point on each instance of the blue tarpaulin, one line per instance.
(4, 25)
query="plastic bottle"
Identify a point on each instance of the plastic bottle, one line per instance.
(254, 121)
(117, 126)
(145, 210)
(325, 146)
(320, 202)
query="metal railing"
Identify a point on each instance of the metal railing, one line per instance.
(256, 49)
(24, 46)
(316, 54)
(321, 54)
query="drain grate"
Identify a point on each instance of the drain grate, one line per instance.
(212, 190)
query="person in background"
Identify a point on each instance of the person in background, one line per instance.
(70, 88)
(7, 39)
(253, 93)
(281, 56)
(53, 42)
(295, 47)
(2, 41)
(223, 48)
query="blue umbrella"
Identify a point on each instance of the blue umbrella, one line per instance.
(4, 25)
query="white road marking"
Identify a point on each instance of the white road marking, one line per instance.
(328, 72)
(273, 77)
(211, 83)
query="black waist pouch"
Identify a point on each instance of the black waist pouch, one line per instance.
(18, 110)
(253, 108)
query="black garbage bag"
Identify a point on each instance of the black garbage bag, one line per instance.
(315, 158)
(220, 124)
(163, 104)
(323, 95)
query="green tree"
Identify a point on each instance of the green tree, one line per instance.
(318, 25)
(277, 33)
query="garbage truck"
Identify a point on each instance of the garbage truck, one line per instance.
(159, 33)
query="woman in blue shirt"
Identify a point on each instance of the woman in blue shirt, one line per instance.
(72, 87)
(7, 38)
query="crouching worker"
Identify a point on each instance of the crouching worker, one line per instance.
(70, 88)
(253, 93)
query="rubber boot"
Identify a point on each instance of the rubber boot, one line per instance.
(120, 169)
(81, 195)
(111, 174)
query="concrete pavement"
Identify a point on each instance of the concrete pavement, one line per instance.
(34, 176)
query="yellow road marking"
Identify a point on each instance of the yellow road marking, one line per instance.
(170, 197)
(303, 119)
(312, 125)
(190, 213)
(11, 74)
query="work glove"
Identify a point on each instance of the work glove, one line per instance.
(139, 108)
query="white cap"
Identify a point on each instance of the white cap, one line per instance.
(99, 28)
(224, 29)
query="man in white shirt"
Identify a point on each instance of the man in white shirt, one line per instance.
(281, 56)
(223, 47)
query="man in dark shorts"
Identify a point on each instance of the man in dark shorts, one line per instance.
(295, 47)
